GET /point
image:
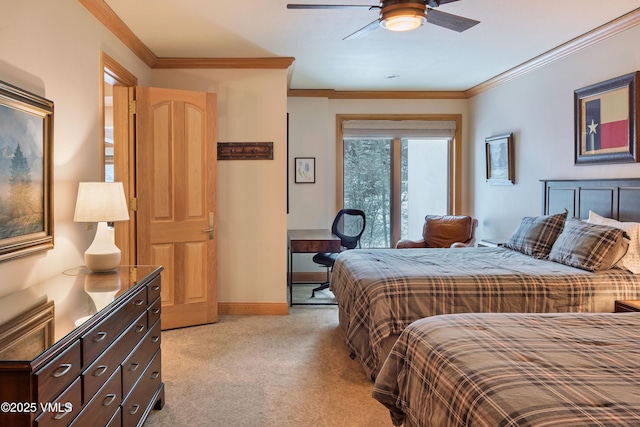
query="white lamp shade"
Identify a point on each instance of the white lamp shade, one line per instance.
(101, 201)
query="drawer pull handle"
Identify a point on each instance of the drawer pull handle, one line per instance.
(154, 375)
(134, 409)
(99, 336)
(155, 311)
(62, 370)
(108, 400)
(100, 370)
(154, 339)
(140, 328)
(155, 288)
(134, 367)
(60, 415)
(138, 302)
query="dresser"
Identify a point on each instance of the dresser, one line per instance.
(82, 349)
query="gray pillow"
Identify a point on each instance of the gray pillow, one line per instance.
(589, 246)
(535, 236)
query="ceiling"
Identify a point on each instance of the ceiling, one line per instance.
(431, 58)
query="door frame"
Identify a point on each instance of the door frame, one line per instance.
(124, 143)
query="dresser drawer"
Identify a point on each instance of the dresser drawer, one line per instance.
(110, 360)
(134, 365)
(104, 333)
(61, 410)
(153, 289)
(58, 374)
(103, 405)
(140, 398)
(116, 420)
(153, 313)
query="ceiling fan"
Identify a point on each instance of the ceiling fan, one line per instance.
(401, 15)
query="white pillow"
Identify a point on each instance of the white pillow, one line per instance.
(631, 260)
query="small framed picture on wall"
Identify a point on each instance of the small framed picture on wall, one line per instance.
(305, 170)
(500, 159)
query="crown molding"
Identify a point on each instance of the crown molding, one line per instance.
(113, 23)
(280, 62)
(613, 28)
(336, 94)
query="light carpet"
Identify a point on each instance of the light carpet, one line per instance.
(263, 371)
(302, 295)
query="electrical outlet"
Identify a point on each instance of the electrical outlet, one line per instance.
(89, 226)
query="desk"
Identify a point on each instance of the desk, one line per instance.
(308, 241)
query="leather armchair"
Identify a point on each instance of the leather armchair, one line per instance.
(444, 231)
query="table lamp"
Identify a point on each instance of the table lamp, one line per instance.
(101, 202)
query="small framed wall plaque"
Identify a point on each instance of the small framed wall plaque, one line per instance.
(245, 150)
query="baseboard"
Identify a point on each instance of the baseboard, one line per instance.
(269, 308)
(254, 308)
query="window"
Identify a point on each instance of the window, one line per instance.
(397, 171)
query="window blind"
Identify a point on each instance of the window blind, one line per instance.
(441, 129)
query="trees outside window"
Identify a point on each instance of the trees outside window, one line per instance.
(396, 182)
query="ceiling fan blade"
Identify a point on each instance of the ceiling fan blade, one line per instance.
(436, 3)
(447, 20)
(363, 31)
(330, 6)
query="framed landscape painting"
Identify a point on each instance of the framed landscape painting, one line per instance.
(605, 121)
(26, 143)
(499, 152)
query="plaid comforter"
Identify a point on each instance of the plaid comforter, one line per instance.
(499, 370)
(381, 291)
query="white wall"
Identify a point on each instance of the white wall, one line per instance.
(52, 49)
(312, 133)
(538, 109)
(251, 221)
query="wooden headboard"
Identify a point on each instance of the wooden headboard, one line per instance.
(612, 198)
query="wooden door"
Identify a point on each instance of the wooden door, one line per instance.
(176, 171)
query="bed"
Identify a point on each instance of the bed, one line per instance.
(514, 369)
(381, 291)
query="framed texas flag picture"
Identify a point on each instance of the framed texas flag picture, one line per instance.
(605, 121)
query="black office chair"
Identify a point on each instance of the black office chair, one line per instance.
(348, 226)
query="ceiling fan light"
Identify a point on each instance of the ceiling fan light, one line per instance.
(403, 22)
(403, 16)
